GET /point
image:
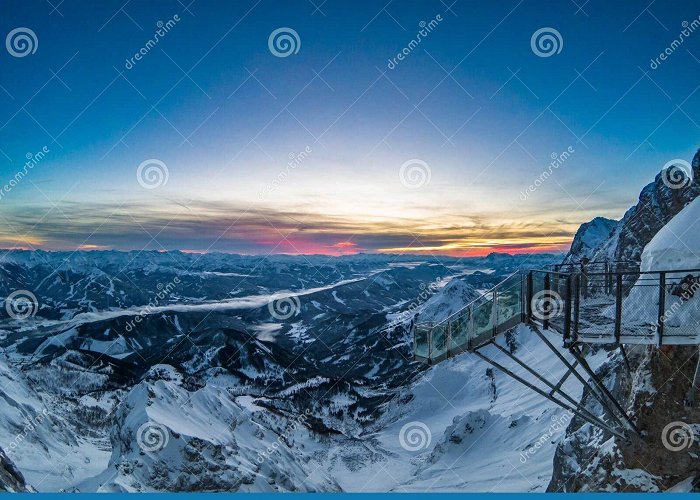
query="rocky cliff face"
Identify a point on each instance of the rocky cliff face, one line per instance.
(588, 237)
(665, 457)
(653, 388)
(11, 480)
(658, 203)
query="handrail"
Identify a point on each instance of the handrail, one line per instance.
(459, 311)
(551, 272)
(667, 271)
(612, 316)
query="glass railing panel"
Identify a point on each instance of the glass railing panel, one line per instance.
(509, 302)
(459, 330)
(640, 307)
(483, 320)
(439, 341)
(421, 344)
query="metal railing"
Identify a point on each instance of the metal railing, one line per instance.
(498, 310)
(597, 266)
(621, 305)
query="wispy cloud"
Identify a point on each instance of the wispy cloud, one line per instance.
(211, 226)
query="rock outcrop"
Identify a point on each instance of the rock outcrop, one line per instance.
(658, 203)
(11, 479)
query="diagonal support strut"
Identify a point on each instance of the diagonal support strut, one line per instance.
(595, 421)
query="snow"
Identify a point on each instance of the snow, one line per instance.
(35, 436)
(469, 408)
(453, 297)
(676, 245)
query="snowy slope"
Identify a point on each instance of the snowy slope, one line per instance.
(677, 244)
(481, 425)
(34, 432)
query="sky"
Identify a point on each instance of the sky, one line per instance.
(263, 127)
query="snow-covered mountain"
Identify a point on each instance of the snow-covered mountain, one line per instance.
(168, 373)
(658, 203)
(258, 374)
(653, 384)
(588, 238)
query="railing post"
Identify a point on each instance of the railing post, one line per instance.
(530, 293)
(523, 309)
(470, 328)
(662, 306)
(494, 313)
(449, 338)
(567, 311)
(430, 344)
(577, 300)
(606, 279)
(545, 321)
(414, 330)
(618, 308)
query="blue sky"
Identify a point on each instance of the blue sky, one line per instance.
(472, 101)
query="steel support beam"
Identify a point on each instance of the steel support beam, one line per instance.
(592, 388)
(542, 393)
(554, 389)
(604, 390)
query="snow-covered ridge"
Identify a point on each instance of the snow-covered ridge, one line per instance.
(659, 202)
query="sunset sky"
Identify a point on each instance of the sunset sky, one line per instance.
(332, 148)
